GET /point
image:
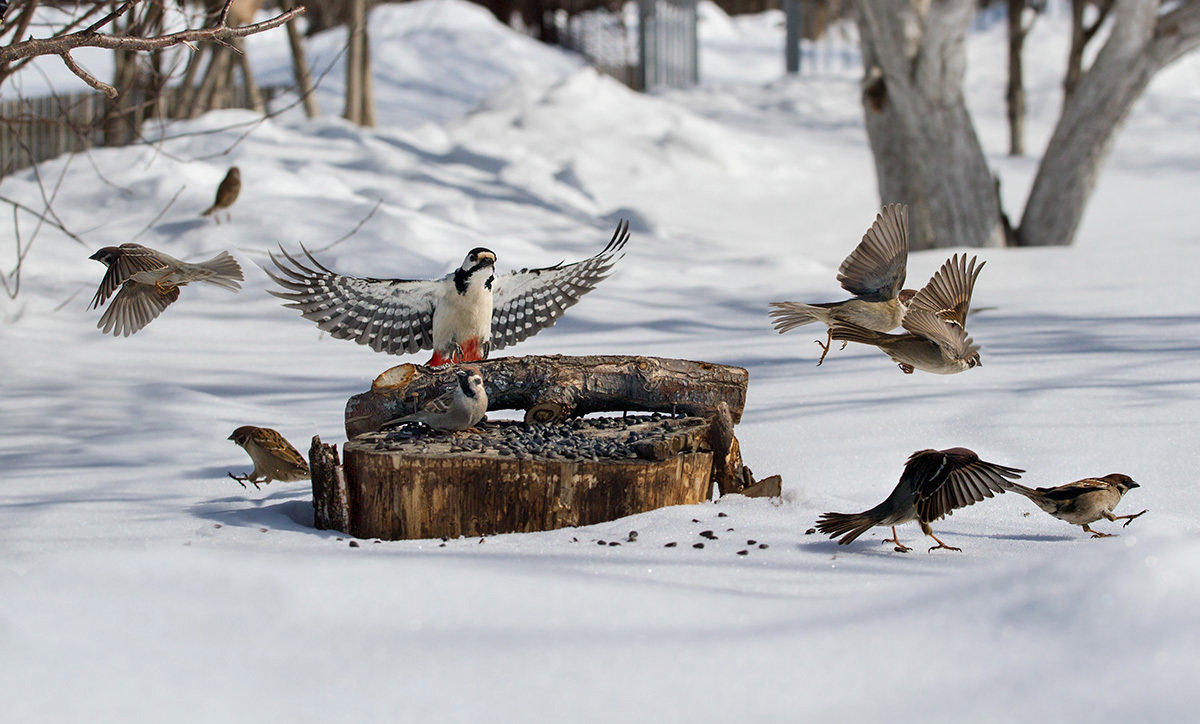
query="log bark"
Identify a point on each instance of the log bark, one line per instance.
(553, 388)
(304, 82)
(331, 502)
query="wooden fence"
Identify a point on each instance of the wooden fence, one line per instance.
(38, 129)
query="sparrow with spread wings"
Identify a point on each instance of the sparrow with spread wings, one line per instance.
(461, 317)
(147, 281)
(874, 273)
(935, 336)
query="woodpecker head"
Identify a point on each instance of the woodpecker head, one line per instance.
(480, 265)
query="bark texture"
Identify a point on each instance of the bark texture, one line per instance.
(553, 388)
(926, 152)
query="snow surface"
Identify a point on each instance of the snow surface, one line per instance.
(139, 584)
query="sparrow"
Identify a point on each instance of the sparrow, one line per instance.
(457, 409)
(1083, 501)
(461, 317)
(227, 193)
(935, 338)
(274, 457)
(934, 484)
(147, 282)
(874, 273)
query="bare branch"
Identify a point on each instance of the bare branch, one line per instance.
(88, 78)
(153, 221)
(90, 39)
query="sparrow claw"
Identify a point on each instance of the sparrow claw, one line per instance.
(906, 368)
(824, 348)
(943, 545)
(240, 481)
(1131, 517)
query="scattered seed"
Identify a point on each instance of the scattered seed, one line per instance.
(602, 542)
(353, 544)
(722, 515)
(672, 544)
(743, 552)
(810, 531)
(708, 534)
(614, 543)
(697, 545)
(632, 536)
(763, 545)
(218, 525)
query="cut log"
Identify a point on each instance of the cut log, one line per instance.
(331, 503)
(415, 483)
(554, 388)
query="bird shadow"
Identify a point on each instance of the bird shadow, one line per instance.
(177, 228)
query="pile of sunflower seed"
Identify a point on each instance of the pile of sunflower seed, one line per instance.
(593, 438)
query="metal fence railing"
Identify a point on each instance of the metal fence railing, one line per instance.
(658, 49)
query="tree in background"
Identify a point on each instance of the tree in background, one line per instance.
(927, 153)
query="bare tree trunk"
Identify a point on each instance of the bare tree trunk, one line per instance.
(304, 84)
(251, 86)
(1016, 78)
(926, 152)
(355, 66)
(1142, 42)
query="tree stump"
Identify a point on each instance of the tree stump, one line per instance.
(555, 469)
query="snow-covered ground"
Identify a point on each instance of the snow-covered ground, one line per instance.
(138, 583)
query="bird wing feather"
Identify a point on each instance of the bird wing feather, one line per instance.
(950, 336)
(948, 292)
(945, 483)
(135, 306)
(527, 301)
(388, 315)
(876, 269)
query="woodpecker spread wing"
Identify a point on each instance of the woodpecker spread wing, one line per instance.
(129, 260)
(388, 315)
(876, 269)
(527, 301)
(950, 479)
(948, 292)
(135, 306)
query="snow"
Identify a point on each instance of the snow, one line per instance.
(138, 583)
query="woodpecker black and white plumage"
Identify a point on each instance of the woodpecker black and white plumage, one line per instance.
(461, 317)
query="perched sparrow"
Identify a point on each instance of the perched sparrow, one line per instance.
(874, 273)
(274, 458)
(149, 281)
(462, 316)
(1083, 501)
(935, 338)
(934, 484)
(458, 409)
(227, 193)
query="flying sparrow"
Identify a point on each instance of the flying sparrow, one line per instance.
(147, 282)
(934, 484)
(874, 273)
(461, 317)
(935, 338)
(1083, 501)
(227, 193)
(457, 409)
(274, 457)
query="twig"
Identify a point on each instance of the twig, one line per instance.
(160, 214)
(353, 231)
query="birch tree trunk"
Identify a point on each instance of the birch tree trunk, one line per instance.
(926, 152)
(1142, 42)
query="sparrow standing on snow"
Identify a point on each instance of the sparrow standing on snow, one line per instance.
(874, 273)
(458, 409)
(1083, 501)
(274, 457)
(935, 338)
(227, 193)
(149, 282)
(934, 484)
(462, 316)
